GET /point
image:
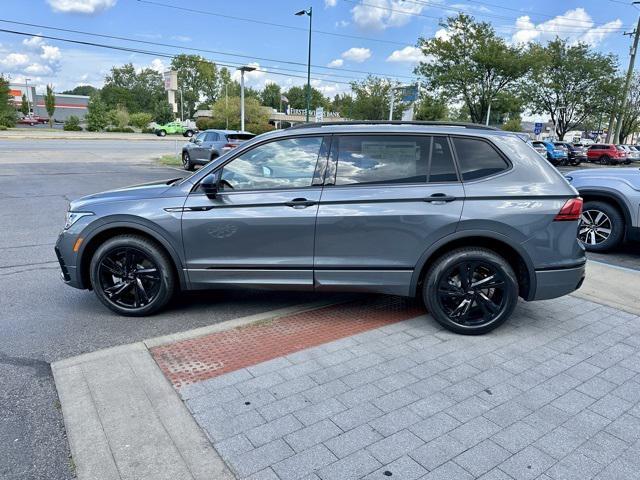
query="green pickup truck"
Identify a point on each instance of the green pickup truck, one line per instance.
(173, 128)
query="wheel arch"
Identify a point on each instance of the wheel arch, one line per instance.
(101, 234)
(514, 254)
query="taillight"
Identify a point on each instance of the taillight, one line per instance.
(230, 145)
(570, 211)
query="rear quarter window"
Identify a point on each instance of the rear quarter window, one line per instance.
(478, 158)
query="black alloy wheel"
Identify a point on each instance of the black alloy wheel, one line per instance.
(604, 160)
(131, 275)
(471, 290)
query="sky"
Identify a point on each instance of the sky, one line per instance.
(350, 37)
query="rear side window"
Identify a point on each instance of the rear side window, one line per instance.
(478, 158)
(240, 136)
(441, 168)
(382, 159)
(212, 137)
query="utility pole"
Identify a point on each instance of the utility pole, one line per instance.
(27, 93)
(391, 102)
(488, 114)
(627, 82)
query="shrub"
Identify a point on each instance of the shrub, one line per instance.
(140, 119)
(3, 127)
(148, 130)
(120, 130)
(97, 117)
(121, 117)
(72, 124)
(206, 123)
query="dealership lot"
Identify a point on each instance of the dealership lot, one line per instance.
(43, 321)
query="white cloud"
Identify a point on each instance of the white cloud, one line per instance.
(50, 53)
(443, 34)
(357, 54)
(408, 54)
(338, 62)
(574, 25)
(181, 38)
(87, 7)
(14, 61)
(255, 79)
(342, 24)
(38, 69)
(330, 3)
(382, 14)
(34, 42)
(158, 65)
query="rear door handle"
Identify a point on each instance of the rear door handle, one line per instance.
(440, 198)
(300, 203)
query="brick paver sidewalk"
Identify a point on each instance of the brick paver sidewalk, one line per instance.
(553, 394)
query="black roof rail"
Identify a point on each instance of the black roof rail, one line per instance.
(474, 126)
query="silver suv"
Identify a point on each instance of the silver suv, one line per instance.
(466, 217)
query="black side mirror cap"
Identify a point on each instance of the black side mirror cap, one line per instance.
(210, 185)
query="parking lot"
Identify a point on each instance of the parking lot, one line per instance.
(43, 321)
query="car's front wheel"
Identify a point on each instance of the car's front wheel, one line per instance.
(132, 275)
(604, 160)
(470, 290)
(186, 161)
(601, 226)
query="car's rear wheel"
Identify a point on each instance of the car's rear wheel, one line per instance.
(601, 226)
(131, 275)
(186, 161)
(162, 133)
(470, 290)
(604, 160)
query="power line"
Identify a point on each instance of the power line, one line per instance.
(272, 24)
(217, 52)
(513, 27)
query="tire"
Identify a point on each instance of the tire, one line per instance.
(188, 133)
(139, 289)
(592, 231)
(604, 160)
(162, 133)
(186, 162)
(444, 291)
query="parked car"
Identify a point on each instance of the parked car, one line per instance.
(175, 127)
(611, 206)
(633, 152)
(210, 144)
(576, 153)
(33, 120)
(540, 148)
(465, 216)
(607, 154)
(557, 156)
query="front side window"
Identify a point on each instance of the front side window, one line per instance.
(478, 158)
(287, 163)
(200, 137)
(382, 159)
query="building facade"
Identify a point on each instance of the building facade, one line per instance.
(66, 105)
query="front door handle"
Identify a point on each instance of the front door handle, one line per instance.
(440, 198)
(300, 203)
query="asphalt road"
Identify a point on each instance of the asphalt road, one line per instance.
(42, 320)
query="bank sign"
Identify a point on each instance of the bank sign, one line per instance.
(312, 113)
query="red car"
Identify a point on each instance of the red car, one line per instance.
(607, 154)
(33, 120)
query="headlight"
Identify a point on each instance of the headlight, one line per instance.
(73, 217)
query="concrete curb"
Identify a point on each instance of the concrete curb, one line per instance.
(124, 419)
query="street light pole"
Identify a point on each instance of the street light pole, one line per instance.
(627, 82)
(310, 14)
(26, 93)
(246, 68)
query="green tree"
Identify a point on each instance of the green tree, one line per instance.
(86, 90)
(372, 99)
(97, 118)
(163, 113)
(431, 108)
(197, 78)
(137, 91)
(141, 119)
(471, 64)
(50, 104)
(343, 104)
(631, 117)
(7, 110)
(568, 82)
(298, 98)
(270, 96)
(256, 116)
(24, 105)
(513, 125)
(72, 124)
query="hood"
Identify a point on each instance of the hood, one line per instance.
(134, 192)
(630, 176)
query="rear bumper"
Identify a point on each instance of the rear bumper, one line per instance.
(557, 283)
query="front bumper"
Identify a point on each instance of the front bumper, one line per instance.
(67, 259)
(559, 282)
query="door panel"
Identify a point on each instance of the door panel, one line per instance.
(257, 236)
(371, 236)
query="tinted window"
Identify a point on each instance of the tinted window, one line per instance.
(441, 168)
(477, 158)
(286, 163)
(212, 137)
(382, 159)
(240, 136)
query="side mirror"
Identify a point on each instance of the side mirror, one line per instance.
(210, 185)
